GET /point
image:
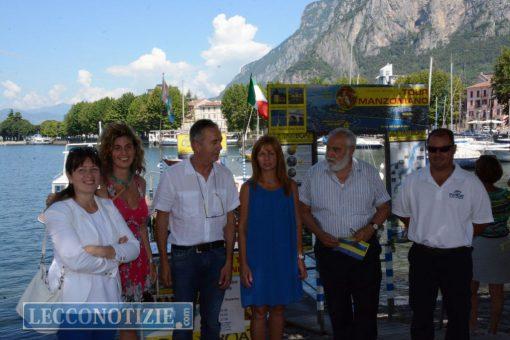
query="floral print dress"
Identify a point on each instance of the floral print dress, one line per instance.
(134, 275)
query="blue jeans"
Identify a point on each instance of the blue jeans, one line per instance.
(194, 273)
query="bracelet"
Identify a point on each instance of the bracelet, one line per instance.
(301, 256)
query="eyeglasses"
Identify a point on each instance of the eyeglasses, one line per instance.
(442, 149)
(215, 197)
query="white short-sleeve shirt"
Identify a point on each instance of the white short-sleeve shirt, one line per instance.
(443, 216)
(198, 208)
(343, 208)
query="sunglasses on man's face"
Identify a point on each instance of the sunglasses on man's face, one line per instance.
(434, 149)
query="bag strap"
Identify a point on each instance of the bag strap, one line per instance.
(42, 264)
(42, 220)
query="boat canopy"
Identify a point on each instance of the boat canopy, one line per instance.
(481, 122)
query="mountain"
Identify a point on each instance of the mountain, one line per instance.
(37, 116)
(404, 33)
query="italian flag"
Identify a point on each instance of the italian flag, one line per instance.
(257, 99)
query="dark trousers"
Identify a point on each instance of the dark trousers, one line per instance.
(198, 274)
(448, 270)
(351, 290)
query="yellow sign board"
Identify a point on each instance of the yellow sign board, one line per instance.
(184, 144)
(287, 106)
(407, 136)
(390, 96)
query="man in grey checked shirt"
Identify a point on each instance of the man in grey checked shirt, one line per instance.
(343, 197)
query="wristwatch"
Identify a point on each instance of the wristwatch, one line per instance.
(376, 226)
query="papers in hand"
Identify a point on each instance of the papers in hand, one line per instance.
(350, 247)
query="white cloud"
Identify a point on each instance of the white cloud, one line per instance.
(12, 90)
(84, 77)
(151, 64)
(232, 41)
(33, 99)
(231, 46)
(204, 87)
(55, 93)
(90, 93)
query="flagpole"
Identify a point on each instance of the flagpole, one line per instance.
(182, 96)
(160, 120)
(258, 122)
(451, 93)
(430, 77)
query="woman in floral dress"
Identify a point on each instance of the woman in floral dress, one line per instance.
(122, 159)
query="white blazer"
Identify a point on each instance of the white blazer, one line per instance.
(71, 228)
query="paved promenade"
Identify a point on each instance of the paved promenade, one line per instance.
(302, 322)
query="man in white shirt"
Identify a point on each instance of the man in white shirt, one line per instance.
(343, 197)
(442, 206)
(195, 199)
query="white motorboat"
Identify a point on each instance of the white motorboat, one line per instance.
(466, 157)
(500, 150)
(232, 138)
(60, 181)
(37, 139)
(163, 137)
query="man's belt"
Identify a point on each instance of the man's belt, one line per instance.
(201, 247)
(442, 251)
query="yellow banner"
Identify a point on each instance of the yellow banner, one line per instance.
(184, 144)
(390, 96)
(407, 136)
(293, 138)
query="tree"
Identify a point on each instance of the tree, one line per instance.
(501, 79)
(235, 107)
(15, 126)
(119, 109)
(72, 122)
(440, 91)
(51, 128)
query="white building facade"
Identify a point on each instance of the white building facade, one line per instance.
(204, 109)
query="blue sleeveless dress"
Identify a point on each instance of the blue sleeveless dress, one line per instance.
(271, 249)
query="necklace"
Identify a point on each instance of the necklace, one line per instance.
(124, 183)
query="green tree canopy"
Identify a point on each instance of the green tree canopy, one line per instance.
(72, 121)
(15, 126)
(501, 79)
(146, 111)
(235, 107)
(440, 91)
(51, 128)
(119, 109)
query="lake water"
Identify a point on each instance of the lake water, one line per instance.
(26, 173)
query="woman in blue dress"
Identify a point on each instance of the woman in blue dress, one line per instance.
(270, 246)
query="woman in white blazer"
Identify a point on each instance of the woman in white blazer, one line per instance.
(90, 240)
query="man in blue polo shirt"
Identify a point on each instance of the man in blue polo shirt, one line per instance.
(442, 206)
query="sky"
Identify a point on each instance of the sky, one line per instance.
(56, 51)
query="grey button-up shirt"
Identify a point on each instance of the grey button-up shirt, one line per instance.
(342, 208)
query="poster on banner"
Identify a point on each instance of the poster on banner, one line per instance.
(297, 153)
(367, 109)
(407, 154)
(287, 108)
(298, 159)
